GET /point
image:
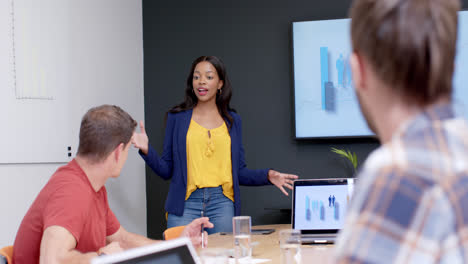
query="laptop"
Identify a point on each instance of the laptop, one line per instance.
(177, 251)
(319, 207)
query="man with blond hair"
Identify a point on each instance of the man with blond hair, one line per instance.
(411, 201)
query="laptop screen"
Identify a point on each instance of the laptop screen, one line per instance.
(320, 205)
(178, 251)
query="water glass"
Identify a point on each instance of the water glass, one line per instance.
(290, 245)
(214, 256)
(241, 226)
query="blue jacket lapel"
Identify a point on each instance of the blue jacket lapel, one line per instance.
(182, 137)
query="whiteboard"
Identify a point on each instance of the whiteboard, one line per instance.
(34, 81)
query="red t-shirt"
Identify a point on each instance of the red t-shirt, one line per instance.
(68, 200)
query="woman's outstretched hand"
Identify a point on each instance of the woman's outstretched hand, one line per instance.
(282, 180)
(140, 140)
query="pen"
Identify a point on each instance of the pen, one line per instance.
(202, 234)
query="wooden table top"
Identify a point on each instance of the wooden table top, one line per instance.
(268, 246)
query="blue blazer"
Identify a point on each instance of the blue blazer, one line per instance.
(173, 161)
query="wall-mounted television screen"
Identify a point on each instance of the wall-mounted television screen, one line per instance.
(325, 102)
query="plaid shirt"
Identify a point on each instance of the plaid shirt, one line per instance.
(410, 204)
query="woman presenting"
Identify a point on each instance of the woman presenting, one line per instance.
(203, 152)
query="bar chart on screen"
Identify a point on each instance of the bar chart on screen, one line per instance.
(325, 101)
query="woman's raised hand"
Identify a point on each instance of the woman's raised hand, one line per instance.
(140, 140)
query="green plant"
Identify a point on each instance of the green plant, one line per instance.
(351, 156)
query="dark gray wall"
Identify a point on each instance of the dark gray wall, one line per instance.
(253, 38)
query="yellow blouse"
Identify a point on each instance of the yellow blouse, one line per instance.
(209, 159)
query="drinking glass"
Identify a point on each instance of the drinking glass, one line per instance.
(290, 245)
(214, 256)
(241, 226)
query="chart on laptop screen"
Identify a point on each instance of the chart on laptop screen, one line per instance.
(321, 207)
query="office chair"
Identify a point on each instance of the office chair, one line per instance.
(6, 255)
(173, 232)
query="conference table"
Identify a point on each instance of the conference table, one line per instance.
(267, 246)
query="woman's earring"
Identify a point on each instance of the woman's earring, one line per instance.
(220, 91)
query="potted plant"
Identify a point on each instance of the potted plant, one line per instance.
(351, 156)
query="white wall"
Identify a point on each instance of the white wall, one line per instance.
(106, 67)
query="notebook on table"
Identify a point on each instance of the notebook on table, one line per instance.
(177, 251)
(319, 207)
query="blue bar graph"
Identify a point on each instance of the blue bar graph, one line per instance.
(324, 73)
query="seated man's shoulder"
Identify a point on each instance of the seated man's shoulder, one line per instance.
(399, 185)
(66, 182)
(70, 180)
(413, 161)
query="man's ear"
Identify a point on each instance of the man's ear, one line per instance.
(118, 151)
(358, 71)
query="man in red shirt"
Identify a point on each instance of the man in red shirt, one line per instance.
(70, 221)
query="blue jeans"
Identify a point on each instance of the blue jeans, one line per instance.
(214, 205)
